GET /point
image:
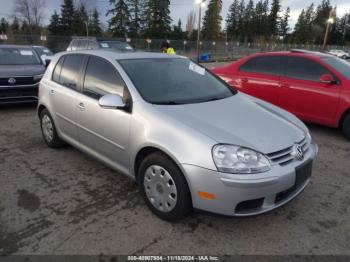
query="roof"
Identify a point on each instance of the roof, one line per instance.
(297, 52)
(110, 54)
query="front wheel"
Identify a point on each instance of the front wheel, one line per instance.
(164, 187)
(346, 126)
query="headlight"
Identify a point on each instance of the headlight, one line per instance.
(239, 160)
(37, 78)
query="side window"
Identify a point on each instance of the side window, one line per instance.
(70, 70)
(57, 71)
(271, 65)
(93, 45)
(102, 78)
(83, 44)
(74, 45)
(305, 69)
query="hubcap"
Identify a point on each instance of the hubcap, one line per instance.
(160, 188)
(47, 128)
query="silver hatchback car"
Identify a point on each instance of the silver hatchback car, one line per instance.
(188, 139)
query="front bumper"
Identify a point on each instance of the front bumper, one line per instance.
(247, 195)
(19, 94)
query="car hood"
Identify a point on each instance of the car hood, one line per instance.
(240, 120)
(21, 70)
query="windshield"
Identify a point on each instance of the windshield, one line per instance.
(340, 65)
(174, 81)
(43, 51)
(116, 45)
(18, 56)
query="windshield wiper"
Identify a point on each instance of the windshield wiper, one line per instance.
(168, 103)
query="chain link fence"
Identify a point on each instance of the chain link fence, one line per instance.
(214, 51)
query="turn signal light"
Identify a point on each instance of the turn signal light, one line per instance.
(206, 195)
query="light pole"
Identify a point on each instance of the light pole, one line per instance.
(87, 28)
(200, 3)
(330, 21)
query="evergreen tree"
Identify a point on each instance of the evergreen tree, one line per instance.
(232, 21)
(274, 18)
(15, 27)
(248, 29)
(135, 13)
(67, 16)
(95, 27)
(4, 26)
(80, 21)
(284, 25)
(158, 20)
(212, 20)
(120, 21)
(177, 31)
(320, 19)
(54, 26)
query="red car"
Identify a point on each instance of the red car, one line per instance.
(312, 85)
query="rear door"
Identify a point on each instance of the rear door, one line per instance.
(260, 77)
(303, 94)
(63, 93)
(104, 131)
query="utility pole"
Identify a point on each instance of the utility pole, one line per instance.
(330, 21)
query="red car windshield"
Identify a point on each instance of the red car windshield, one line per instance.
(340, 65)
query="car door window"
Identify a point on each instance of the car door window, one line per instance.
(305, 69)
(83, 44)
(101, 78)
(271, 65)
(70, 71)
(57, 72)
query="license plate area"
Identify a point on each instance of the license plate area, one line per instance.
(303, 173)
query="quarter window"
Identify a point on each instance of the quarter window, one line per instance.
(271, 65)
(305, 69)
(101, 78)
(57, 72)
(70, 71)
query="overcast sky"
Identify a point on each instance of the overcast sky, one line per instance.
(179, 8)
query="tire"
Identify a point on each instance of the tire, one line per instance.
(161, 179)
(346, 126)
(344, 57)
(48, 130)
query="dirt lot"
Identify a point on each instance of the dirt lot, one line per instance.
(64, 202)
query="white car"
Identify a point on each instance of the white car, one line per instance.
(340, 53)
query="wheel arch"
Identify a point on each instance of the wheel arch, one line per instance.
(341, 120)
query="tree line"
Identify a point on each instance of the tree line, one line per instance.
(247, 21)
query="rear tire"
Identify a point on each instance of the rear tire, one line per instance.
(346, 126)
(344, 57)
(49, 131)
(164, 187)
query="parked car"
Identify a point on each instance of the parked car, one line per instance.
(21, 70)
(184, 135)
(98, 43)
(314, 86)
(339, 53)
(44, 53)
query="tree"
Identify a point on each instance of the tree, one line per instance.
(191, 22)
(247, 29)
(67, 16)
(4, 26)
(284, 25)
(80, 21)
(158, 20)
(95, 27)
(212, 20)
(177, 31)
(54, 26)
(135, 14)
(32, 13)
(273, 19)
(120, 21)
(232, 21)
(15, 28)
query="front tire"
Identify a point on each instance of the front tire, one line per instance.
(49, 131)
(346, 126)
(164, 187)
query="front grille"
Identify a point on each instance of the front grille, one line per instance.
(284, 156)
(20, 80)
(249, 204)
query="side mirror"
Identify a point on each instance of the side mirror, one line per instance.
(46, 60)
(327, 79)
(111, 101)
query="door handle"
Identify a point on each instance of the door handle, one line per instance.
(244, 80)
(52, 92)
(81, 106)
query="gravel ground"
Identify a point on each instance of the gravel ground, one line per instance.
(64, 202)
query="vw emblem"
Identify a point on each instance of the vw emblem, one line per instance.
(297, 152)
(12, 81)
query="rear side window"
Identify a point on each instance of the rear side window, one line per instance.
(57, 72)
(70, 70)
(271, 65)
(305, 69)
(83, 44)
(101, 78)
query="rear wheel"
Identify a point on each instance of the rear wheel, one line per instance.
(48, 130)
(346, 126)
(164, 187)
(344, 57)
